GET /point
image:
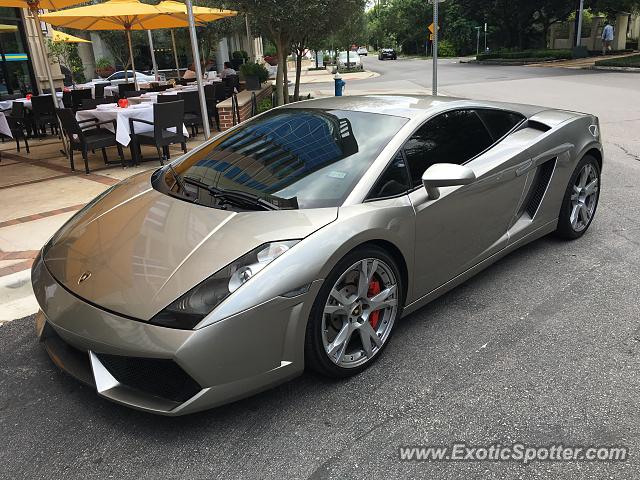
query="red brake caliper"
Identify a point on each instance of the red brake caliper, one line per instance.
(374, 289)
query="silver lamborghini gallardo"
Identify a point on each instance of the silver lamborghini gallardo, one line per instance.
(299, 239)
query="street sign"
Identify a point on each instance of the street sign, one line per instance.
(432, 28)
(431, 37)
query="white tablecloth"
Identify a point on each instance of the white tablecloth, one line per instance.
(7, 104)
(122, 116)
(4, 126)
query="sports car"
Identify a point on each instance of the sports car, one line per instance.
(299, 239)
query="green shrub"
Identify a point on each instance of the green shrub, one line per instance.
(264, 105)
(103, 63)
(631, 61)
(252, 69)
(446, 49)
(240, 54)
(526, 54)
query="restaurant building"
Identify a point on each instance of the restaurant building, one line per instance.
(21, 59)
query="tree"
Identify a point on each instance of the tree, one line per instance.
(66, 54)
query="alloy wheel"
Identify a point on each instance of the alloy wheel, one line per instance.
(584, 197)
(359, 313)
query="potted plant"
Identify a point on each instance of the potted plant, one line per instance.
(104, 68)
(254, 75)
(237, 59)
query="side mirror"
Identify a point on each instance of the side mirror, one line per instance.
(446, 175)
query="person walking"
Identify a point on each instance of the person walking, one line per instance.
(607, 37)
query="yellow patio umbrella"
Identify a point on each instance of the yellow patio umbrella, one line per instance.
(200, 15)
(124, 15)
(8, 28)
(34, 6)
(61, 37)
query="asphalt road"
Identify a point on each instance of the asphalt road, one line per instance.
(541, 348)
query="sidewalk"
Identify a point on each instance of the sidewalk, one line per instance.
(38, 194)
(324, 76)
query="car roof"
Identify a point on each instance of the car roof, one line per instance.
(409, 106)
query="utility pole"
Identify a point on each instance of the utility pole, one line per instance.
(434, 89)
(579, 28)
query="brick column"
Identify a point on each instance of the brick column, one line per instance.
(225, 111)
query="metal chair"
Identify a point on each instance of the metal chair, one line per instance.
(132, 93)
(214, 94)
(125, 87)
(98, 89)
(44, 113)
(77, 96)
(88, 135)
(231, 85)
(166, 115)
(166, 98)
(192, 110)
(19, 124)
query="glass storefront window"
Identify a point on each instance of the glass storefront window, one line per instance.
(16, 70)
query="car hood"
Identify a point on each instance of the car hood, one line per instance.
(137, 249)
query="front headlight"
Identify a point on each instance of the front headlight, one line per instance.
(187, 311)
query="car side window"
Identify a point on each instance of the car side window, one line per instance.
(394, 180)
(499, 122)
(451, 137)
(117, 76)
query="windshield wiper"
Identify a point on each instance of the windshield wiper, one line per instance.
(236, 197)
(178, 179)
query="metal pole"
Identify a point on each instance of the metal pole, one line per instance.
(478, 41)
(47, 68)
(434, 89)
(579, 33)
(175, 53)
(133, 66)
(153, 55)
(196, 60)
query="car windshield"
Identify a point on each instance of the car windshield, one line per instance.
(290, 158)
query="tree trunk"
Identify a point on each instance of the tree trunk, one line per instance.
(279, 73)
(296, 89)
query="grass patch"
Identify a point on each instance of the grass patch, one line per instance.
(631, 61)
(526, 55)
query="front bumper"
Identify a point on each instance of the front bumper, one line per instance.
(228, 360)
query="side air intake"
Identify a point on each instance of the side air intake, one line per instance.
(539, 186)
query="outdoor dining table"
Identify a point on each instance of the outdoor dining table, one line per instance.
(112, 112)
(6, 104)
(4, 126)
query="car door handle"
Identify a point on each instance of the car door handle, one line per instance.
(524, 168)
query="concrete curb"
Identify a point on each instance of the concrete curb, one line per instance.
(614, 69)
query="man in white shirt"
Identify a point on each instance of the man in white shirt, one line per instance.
(607, 38)
(190, 73)
(227, 70)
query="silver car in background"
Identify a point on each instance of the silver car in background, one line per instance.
(299, 239)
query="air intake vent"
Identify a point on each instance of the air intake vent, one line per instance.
(538, 126)
(161, 378)
(539, 187)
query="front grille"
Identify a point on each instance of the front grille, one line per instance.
(158, 377)
(540, 184)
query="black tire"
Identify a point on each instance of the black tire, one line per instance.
(315, 355)
(565, 230)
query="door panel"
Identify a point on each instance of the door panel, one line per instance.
(467, 224)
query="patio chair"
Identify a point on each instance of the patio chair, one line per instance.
(192, 110)
(133, 93)
(165, 116)
(88, 104)
(214, 94)
(88, 135)
(231, 85)
(19, 124)
(77, 96)
(47, 91)
(98, 89)
(44, 113)
(125, 87)
(67, 101)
